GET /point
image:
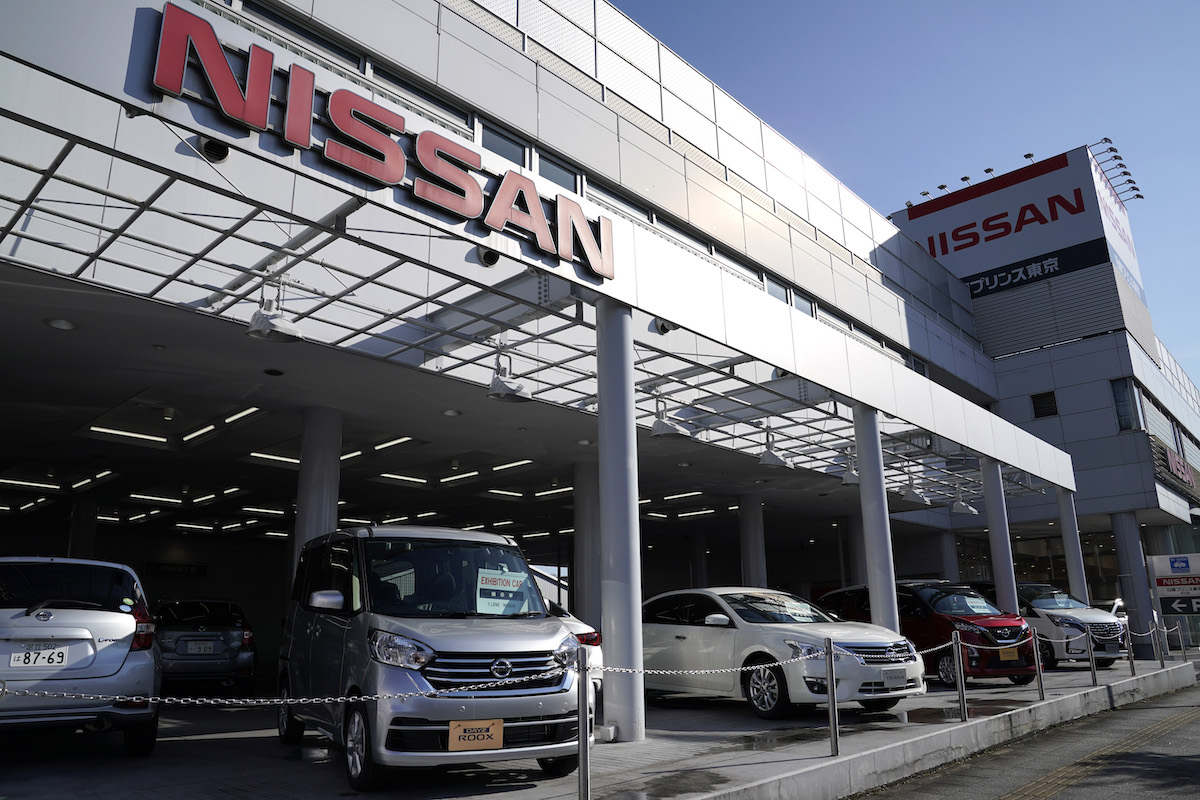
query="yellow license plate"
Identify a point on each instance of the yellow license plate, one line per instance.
(478, 734)
(1008, 654)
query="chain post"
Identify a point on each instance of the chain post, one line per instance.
(831, 694)
(960, 677)
(1129, 649)
(1091, 657)
(585, 758)
(1037, 664)
(1160, 638)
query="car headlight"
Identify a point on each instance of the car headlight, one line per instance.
(806, 650)
(967, 627)
(567, 652)
(1067, 622)
(399, 651)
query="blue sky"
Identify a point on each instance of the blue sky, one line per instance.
(898, 97)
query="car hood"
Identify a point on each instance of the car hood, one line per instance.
(478, 634)
(992, 620)
(839, 632)
(1090, 615)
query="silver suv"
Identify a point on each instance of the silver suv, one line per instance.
(444, 637)
(81, 628)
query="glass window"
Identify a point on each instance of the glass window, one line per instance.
(503, 145)
(1126, 402)
(836, 319)
(957, 602)
(552, 170)
(765, 608)
(776, 289)
(617, 201)
(802, 303)
(58, 585)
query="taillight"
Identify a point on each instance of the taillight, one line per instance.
(592, 638)
(143, 632)
(247, 637)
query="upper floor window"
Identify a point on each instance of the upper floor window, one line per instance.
(1044, 405)
(503, 145)
(553, 171)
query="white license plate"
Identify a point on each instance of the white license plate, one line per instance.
(36, 654)
(894, 678)
(200, 648)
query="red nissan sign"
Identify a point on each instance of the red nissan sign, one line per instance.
(373, 150)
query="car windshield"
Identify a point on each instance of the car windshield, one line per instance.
(447, 578)
(957, 601)
(200, 612)
(1049, 598)
(59, 585)
(774, 607)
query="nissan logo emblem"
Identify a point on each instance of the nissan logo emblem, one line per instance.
(892, 653)
(501, 668)
(44, 616)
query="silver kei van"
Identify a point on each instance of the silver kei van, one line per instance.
(442, 646)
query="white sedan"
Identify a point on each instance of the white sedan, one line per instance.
(702, 637)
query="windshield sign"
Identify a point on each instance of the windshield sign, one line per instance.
(774, 608)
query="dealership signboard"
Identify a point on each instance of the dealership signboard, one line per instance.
(1176, 582)
(1053, 217)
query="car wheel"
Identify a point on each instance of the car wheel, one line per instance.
(1046, 650)
(946, 672)
(141, 738)
(879, 705)
(291, 730)
(766, 689)
(364, 774)
(559, 766)
(1105, 663)
(1021, 680)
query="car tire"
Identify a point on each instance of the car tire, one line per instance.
(559, 766)
(291, 730)
(1022, 680)
(766, 690)
(1105, 663)
(364, 774)
(945, 671)
(876, 706)
(1046, 650)
(141, 738)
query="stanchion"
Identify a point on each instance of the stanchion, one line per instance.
(1037, 665)
(1129, 650)
(585, 777)
(1087, 635)
(960, 678)
(831, 694)
(1159, 643)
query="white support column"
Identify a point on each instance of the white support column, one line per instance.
(319, 481)
(621, 566)
(585, 572)
(877, 530)
(1072, 547)
(1134, 581)
(998, 536)
(750, 533)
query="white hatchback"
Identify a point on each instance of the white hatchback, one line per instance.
(730, 642)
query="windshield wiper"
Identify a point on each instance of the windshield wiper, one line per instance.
(521, 614)
(65, 602)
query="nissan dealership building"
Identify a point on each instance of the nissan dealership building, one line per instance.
(276, 267)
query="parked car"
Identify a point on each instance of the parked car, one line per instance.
(423, 616)
(206, 640)
(1061, 621)
(81, 628)
(725, 628)
(996, 645)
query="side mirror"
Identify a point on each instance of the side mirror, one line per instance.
(328, 599)
(717, 621)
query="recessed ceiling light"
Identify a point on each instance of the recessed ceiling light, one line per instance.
(583, 442)
(61, 324)
(451, 412)
(684, 464)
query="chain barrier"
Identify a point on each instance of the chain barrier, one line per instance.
(819, 653)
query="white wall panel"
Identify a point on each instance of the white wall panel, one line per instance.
(559, 34)
(572, 122)
(375, 27)
(488, 73)
(741, 159)
(627, 81)
(783, 155)
(580, 12)
(686, 82)
(685, 283)
(755, 319)
(624, 37)
(787, 192)
(826, 219)
(979, 428)
(504, 9)
(871, 376)
(820, 183)
(652, 169)
(914, 401)
(735, 119)
(821, 354)
(689, 123)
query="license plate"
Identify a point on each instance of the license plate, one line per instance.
(200, 648)
(479, 734)
(36, 654)
(894, 678)
(1009, 654)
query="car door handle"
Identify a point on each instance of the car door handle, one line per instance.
(680, 637)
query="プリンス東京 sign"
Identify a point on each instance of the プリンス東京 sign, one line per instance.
(374, 151)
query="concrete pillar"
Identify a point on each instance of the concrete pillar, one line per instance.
(998, 536)
(750, 533)
(877, 531)
(699, 560)
(1134, 581)
(82, 542)
(1072, 547)
(621, 566)
(585, 572)
(319, 481)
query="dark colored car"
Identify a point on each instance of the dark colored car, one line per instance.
(996, 645)
(206, 640)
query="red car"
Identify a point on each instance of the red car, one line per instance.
(996, 645)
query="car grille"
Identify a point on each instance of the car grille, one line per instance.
(1006, 634)
(416, 735)
(896, 653)
(877, 687)
(1105, 631)
(455, 670)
